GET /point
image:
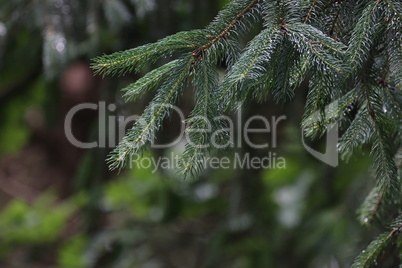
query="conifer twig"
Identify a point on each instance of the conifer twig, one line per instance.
(378, 205)
(310, 12)
(395, 231)
(331, 31)
(200, 50)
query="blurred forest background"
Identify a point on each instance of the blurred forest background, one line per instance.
(61, 207)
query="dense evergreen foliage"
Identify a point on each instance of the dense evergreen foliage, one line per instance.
(349, 52)
(60, 206)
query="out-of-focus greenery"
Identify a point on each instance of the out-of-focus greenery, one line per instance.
(301, 216)
(152, 219)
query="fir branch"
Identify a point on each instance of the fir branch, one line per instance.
(282, 89)
(203, 122)
(359, 133)
(362, 36)
(144, 129)
(334, 112)
(223, 31)
(383, 160)
(249, 67)
(300, 70)
(326, 55)
(396, 225)
(227, 19)
(396, 8)
(368, 258)
(233, 52)
(291, 47)
(394, 50)
(229, 27)
(393, 108)
(310, 11)
(319, 96)
(331, 31)
(322, 14)
(148, 82)
(372, 125)
(270, 12)
(286, 12)
(286, 72)
(395, 68)
(135, 59)
(262, 87)
(371, 205)
(309, 40)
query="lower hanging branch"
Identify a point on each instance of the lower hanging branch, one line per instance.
(369, 257)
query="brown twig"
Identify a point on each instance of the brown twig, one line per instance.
(371, 110)
(309, 12)
(395, 231)
(200, 51)
(331, 32)
(378, 205)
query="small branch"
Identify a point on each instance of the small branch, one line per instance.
(331, 32)
(331, 3)
(371, 110)
(395, 231)
(383, 80)
(200, 51)
(310, 12)
(324, 8)
(377, 206)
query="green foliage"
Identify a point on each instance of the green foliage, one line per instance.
(15, 132)
(370, 256)
(135, 196)
(202, 119)
(246, 72)
(144, 130)
(69, 255)
(300, 41)
(137, 58)
(148, 82)
(318, 122)
(363, 36)
(19, 218)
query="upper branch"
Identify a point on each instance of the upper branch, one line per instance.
(200, 50)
